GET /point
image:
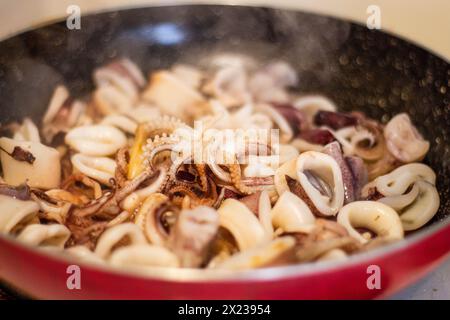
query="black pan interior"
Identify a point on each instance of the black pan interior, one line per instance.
(360, 69)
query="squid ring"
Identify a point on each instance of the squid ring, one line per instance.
(328, 169)
(15, 212)
(122, 122)
(375, 216)
(27, 131)
(291, 214)
(242, 224)
(143, 256)
(397, 181)
(422, 209)
(99, 168)
(53, 235)
(113, 236)
(263, 255)
(311, 104)
(96, 140)
(403, 140)
(288, 168)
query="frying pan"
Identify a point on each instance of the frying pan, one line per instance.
(358, 68)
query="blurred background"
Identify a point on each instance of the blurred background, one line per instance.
(424, 22)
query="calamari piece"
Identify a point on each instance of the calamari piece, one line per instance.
(344, 136)
(259, 203)
(21, 192)
(149, 218)
(242, 224)
(295, 117)
(333, 255)
(365, 140)
(44, 172)
(375, 216)
(311, 104)
(223, 118)
(135, 199)
(382, 166)
(264, 213)
(287, 169)
(122, 234)
(269, 83)
(314, 250)
(286, 132)
(282, 73)
(368, 141)
(229, 86)
(15, 214)
(276, 252)
(317, 136)
(259, 121)
(259, 166)
(60, 95)
(143, 112)
(84, 254)
(287, 153)
(122, 74)
(51, 210)
(328, 170)
(188, 74)
(122, 122)
(62, 114)
(96, 140)
(140, 257)
(403, 140)
(302, 145)
(334, 150)
(416, 213)
(192, 234)
(229, 59)
(61, 195)
(291, 214)
(401, 201)
(185, 104)
(396, 182)
(110, 100)
(101, 169)
(27, 131)
(334, 120)
(359, 173)
(52, 235)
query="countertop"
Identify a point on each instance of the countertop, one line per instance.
(434, 286)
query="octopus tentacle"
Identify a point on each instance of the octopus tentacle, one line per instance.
(122, 159)
(201, 169)
(236, 179)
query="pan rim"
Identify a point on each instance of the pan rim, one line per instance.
(263, 274)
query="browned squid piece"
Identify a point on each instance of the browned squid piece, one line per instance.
(87, 222)
(197, 193)
(192, 235)
(328, 237)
